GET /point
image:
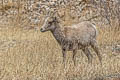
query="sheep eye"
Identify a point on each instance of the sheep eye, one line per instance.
(50, 22)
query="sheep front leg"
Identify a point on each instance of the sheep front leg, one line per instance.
(64, 55)
(74, 53)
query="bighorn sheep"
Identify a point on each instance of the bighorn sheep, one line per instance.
(73, 38)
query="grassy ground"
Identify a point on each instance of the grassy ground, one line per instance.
(32, 55)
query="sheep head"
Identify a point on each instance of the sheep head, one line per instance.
(50, 19)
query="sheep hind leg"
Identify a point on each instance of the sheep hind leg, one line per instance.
(96, 49)
(73, 58)
(88, 54)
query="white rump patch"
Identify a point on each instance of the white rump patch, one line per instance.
(73, 26)
(95, 29)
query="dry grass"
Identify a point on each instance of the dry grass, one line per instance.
(32, 55)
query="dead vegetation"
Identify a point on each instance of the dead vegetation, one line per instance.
(27, 54)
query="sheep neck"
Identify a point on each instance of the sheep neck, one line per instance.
(58, 33)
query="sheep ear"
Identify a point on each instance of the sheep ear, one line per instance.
(56, 19)
(50, 13)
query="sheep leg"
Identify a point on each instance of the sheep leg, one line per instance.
(96, 49)
(88, 54)
(64, 55)
(74, 53)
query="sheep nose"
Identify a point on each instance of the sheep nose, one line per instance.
(41, 29)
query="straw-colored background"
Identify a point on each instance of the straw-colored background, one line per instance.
(28, 54)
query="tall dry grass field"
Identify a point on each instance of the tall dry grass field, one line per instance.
(32, 55)
(28, 54)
